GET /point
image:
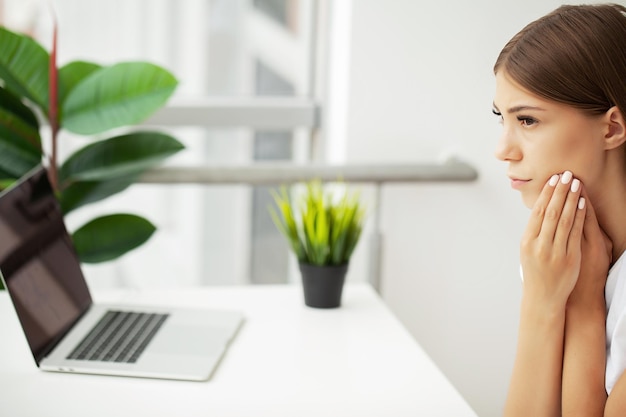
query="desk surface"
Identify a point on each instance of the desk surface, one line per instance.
(287, 360)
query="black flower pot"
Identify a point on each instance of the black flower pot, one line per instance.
(323, 285)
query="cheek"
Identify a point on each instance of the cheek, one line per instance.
(586, 166)
(581, 151)
(531, 194)
(576, 153)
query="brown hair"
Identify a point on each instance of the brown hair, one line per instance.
(575, 55)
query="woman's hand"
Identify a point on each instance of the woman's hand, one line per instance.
(551, 258)
(551, 245)
(596, 259)
(584, 351)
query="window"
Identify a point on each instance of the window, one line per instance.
(224, 53)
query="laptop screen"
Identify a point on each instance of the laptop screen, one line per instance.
(39, 264)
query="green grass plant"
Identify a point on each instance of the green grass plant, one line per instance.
(320, 227)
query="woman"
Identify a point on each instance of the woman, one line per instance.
(561, 96)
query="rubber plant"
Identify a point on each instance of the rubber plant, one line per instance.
(91, 100)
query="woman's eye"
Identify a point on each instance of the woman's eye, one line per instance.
(497, 113)
(526, 121)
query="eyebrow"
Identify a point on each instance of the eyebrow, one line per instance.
(517, 109)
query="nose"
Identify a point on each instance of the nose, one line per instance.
(508, 149)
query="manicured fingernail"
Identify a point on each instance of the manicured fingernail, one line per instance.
(581, 203)
(575, 185)
(567, 177)
(553, 180)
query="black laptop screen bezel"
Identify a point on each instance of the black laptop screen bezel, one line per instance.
(38, 263)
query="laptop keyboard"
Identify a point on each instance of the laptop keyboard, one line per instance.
(119, 336)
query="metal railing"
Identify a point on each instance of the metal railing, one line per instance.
(290, 113)
(264, 174)
(288, 173)
(251, 112)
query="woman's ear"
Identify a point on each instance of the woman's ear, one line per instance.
(616, 132)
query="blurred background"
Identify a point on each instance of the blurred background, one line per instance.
(399, 81)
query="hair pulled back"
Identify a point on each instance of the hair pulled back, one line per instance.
(575, 55)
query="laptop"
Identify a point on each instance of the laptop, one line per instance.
(66, 330)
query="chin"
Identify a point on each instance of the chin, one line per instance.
(529, 200)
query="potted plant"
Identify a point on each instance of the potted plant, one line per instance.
(322, 230)
(88, 99)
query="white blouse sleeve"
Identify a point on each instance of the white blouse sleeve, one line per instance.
(615, 294)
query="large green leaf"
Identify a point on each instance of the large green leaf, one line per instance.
(120, 95)
(81, 193)
(15, 105)
(5, 175)
(6, 183)
(14, 158)
(24, 67)
(72, 74)
(119, 157)
(110, 237)
(20, 143)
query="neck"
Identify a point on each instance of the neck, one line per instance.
(609, 200)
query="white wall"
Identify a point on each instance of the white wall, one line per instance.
(421, 84)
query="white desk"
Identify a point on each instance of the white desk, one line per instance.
(287, 360)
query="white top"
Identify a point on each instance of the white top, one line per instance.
(287, 360)
(615, 295)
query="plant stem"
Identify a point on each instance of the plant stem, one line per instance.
(53, 107)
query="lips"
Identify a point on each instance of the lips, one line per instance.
(517, 183)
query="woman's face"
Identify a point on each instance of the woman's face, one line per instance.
(541, 138)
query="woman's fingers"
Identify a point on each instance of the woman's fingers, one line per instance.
(554, 209)
(566, 236)
(592, 231)
(592, 228)
(557, 213)
(576, 234)
(551, 249)
(549, 207)
(539, 209)
(595, 250)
